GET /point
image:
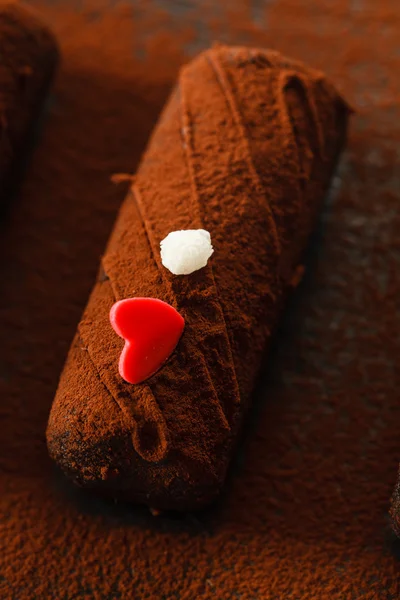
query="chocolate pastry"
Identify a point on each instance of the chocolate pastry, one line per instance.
(244, 149)
(28, 56)
(395, 507)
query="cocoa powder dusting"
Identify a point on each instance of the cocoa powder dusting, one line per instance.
(304, 514)
(248, 142)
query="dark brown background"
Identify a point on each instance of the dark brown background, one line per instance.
(305, 510)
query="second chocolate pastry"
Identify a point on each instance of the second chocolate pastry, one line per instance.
(28, 57)
(244, 149)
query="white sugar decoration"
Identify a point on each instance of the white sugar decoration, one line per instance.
(186, 251)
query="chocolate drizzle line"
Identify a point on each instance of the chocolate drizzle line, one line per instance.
(243, 137)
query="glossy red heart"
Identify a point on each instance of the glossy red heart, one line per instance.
(151, 329)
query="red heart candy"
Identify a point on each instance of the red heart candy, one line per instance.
(151, 329)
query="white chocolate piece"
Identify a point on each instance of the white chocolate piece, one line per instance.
(186, 251)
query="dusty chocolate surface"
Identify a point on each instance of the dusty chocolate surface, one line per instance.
(245, 148)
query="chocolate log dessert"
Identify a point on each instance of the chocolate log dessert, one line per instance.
(28, 56)
(161, 371)
(395, 507)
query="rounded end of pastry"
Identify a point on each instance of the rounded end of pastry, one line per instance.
(110, 468)
(30, 26)
(93, 442)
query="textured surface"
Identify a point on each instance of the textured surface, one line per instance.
(245, 147)
(305, 511)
